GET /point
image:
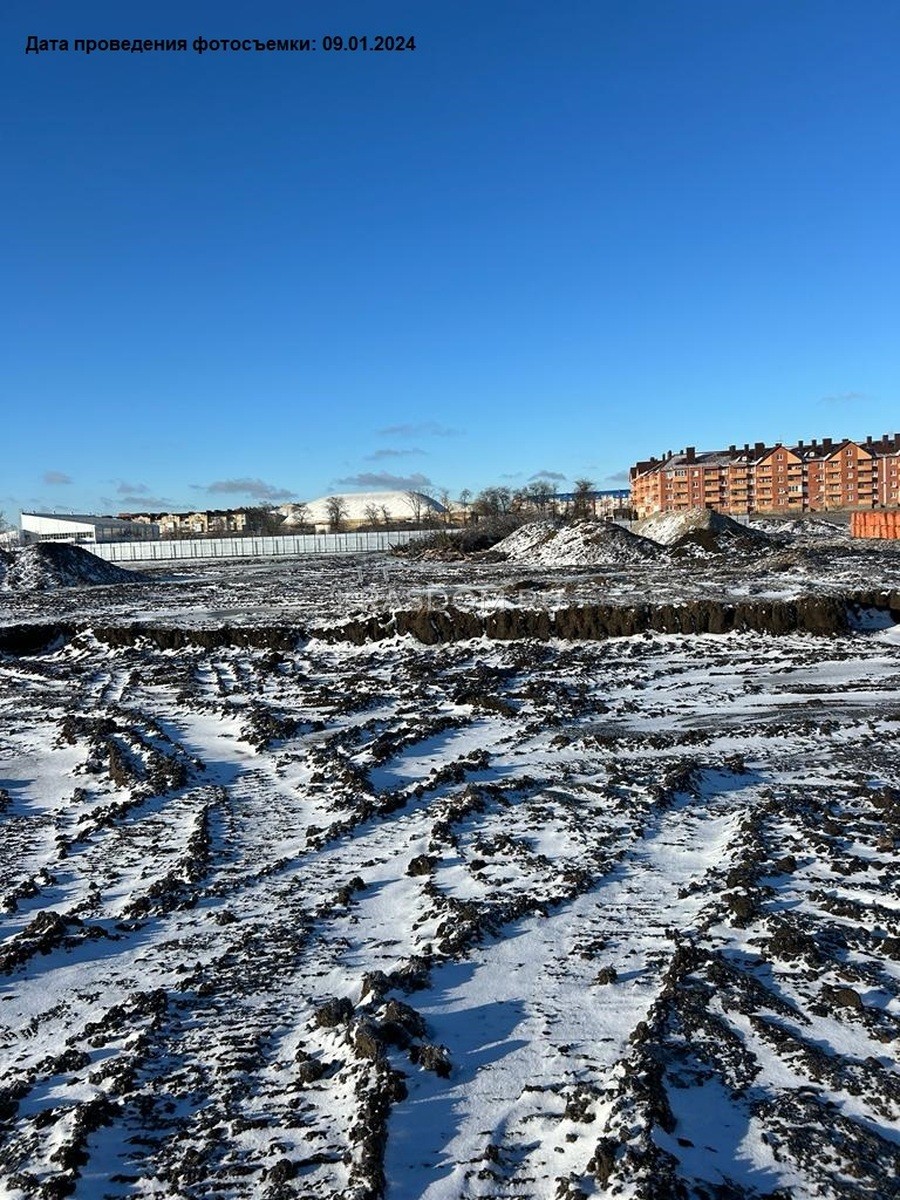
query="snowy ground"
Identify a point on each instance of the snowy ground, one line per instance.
(527, 919)
(316, 591)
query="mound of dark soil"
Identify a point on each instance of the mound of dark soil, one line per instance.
(48, 565)
(703, 531)
(576, 543)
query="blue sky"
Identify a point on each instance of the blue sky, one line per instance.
(552, 238)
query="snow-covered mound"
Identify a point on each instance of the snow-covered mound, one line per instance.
(580, 543)
(48, 565)
(804, 529)
(703, 529)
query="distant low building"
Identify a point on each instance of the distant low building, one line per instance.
(609, 503)
(84, 528)
(211, 522)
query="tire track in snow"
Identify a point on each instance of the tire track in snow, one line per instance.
(526, 1023)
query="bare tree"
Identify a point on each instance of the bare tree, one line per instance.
(263, 520)
(492, 502)
(336, 508)
(371, 514)
(416, 502)
(445, 503)
(386, 516)
(430, 517)
(583, 498)
(299, 513)
(465, 499)
(540, 494)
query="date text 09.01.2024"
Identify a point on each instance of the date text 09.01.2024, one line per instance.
(381, 41)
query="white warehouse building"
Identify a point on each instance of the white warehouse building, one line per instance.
(83, 528)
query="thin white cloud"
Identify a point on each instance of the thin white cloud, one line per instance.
(146, 503)
(257, 488)
(845, 398)
(419, 429)
(384, 480)
(393, 452)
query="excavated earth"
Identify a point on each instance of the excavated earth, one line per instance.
(364, 878)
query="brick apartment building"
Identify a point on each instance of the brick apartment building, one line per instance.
(815, 476)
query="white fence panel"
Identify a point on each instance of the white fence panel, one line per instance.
(277, 546)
